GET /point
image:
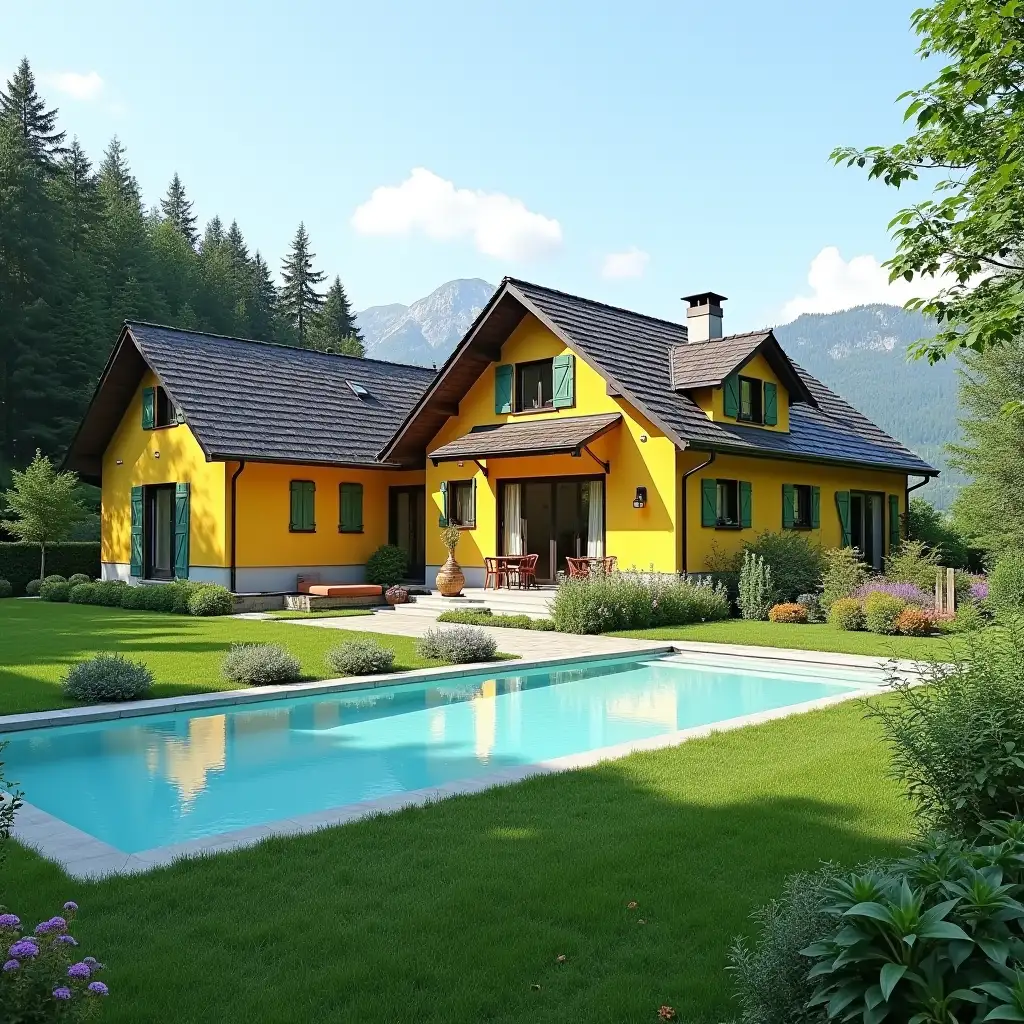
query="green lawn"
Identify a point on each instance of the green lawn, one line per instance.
(805, 638)
(457, 912)
(39, 641)
(321, 613)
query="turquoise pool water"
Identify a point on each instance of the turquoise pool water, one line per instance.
(153, 781)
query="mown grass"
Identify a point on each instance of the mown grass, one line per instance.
(39, 641)
(320, 613)
(457, 912)
(806, 638)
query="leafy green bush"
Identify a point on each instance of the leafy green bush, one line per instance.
(881, 611)
(78, 577)
(55, 589)
(956, 742)
(913, 563)
(211, 599)
(794, 561)
(6, 590)
(55, 578)
(32, 588)
(106, 678)
(260, 665)
(846, 613)
(1006, 584)
(150, 597)
(968, 619)
(757, 587)
(84, 593)
(458, 645)
(926, 523)
(387, 565)
(360, 658)
(110, 592)
(487, 618)
(842, 574)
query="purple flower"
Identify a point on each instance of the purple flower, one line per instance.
(24, 947)
(79, 970)
(66, 940)
(55, 924)
(979, 590)
(71, 906)
(11, 965)
(10, 921)
(909, 592)
(62, 992)
(97, 988)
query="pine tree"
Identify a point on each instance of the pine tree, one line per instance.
(76, 189)
(299, 298)
(265, 320)
(22, 105)
(117, 183)
(334, 328)
(177, 208)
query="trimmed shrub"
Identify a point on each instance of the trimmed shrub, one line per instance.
(79, 577)
(914, 622)
(110, 592)
(211, 599)
(914, 563)
(881, 612)
(487, 618)
(32, 588)
(846, 613)
(387, 565)
(6, 590)
(757, 587)
(150, 597)
(105, 678)
(360, 658)
(19, 561)
(1006, 584)
(842, 574)
(55, 589)
(812, 603)
(260, 665)
(794, 561)
(55, 578)
(84, 593)
(788, 612)
(458, 645)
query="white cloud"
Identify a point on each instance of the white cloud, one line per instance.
(840, 284)
(499, 225)
(78, 86)
(631, 263)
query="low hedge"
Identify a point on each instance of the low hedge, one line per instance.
(483, 618)
(182, 597)
(19, 561)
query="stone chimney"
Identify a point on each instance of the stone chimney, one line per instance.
(704, 316)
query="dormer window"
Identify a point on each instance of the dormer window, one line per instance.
(751, 400)
(357, 389)
(157, 409)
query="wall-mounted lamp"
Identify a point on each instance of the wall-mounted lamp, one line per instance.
(460, 464)
(641, 497)
(156, 455)
(120, 462)
(643, 438)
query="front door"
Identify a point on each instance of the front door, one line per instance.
(407, 527)
(158, 530)
(867, 526)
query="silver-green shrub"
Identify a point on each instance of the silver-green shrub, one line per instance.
(5, 588)
(757, 587)
(457, 645)
(32, 588)
(360, 658)
(261, 665)
(106, 678)
(842, 574)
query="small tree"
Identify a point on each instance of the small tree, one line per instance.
(44, 505)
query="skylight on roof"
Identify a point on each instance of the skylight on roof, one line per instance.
(357, 389)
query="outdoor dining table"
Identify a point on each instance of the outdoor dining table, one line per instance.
(506, 565)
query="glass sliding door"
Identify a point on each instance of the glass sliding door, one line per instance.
(407, 527)
(159, 531)
(867, 524)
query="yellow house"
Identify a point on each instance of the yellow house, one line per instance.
(559, 427)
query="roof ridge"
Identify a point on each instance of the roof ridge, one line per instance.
(278, 344)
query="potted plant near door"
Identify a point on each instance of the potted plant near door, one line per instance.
(450, 578)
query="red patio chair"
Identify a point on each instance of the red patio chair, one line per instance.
(494, 570)
(610, 564)
(528, 572)
(578, 567)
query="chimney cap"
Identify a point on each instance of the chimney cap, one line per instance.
(704, 299)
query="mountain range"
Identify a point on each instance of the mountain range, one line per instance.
(861, 353)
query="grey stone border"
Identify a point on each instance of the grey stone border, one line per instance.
(82, 856)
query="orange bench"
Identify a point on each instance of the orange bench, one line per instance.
(341, 589)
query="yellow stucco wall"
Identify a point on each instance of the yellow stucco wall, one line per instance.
(766, 477)
(137, 457)
(264, 512)
(711, 399)
(640, 455)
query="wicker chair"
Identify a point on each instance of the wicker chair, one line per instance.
(527, 574)
(494, 570)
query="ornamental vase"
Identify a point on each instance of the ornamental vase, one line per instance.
(450, 578)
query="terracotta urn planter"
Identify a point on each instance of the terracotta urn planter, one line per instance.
(396, 595)
(450, 578)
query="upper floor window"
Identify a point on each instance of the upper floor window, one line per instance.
(535, 385)
(157, 409)
(751, 404)
(751, 400)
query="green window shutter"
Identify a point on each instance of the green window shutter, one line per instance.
(295, 514)
(564, 385)
(148, 408)
(472, 511)
(746, 510)
(771, 404)
(308, 509)
(442, 519)
(894, 522)
(350, 503)
(815, 508)
(182, 523)
(137, 560)
(503, 388)
(731, 396)
(843, 508)
(302, 518)
(788, 506)
(708, 502)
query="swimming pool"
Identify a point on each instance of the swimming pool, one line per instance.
(163, 780)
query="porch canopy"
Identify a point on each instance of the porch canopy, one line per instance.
(553, 435)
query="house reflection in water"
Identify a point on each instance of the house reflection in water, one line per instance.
(655, 705)
(186, 762)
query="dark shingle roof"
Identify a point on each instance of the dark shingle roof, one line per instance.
(634, 352)
(549, 436)
(706, 364)
(248, 399)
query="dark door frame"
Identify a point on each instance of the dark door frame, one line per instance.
(149, 498)
(880, 496)
(417, 519)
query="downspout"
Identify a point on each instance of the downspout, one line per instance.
(234, 479)
(707, 462)
(906, 499)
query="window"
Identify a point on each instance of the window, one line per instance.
(357, 389)
(802, 506)
(751, 400)
(157, 409)
(462, 503)
(727, 508)
(350, 508)
(303, 519)
(535, 385)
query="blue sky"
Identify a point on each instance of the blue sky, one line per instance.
(628, 152)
